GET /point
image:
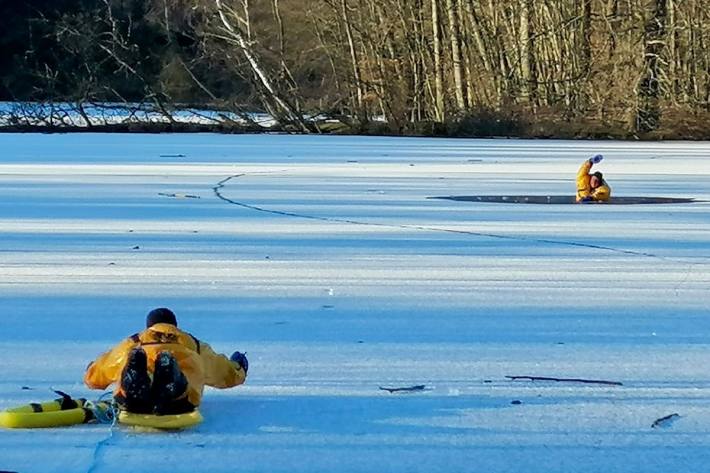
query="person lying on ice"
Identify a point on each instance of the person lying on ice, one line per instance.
(592, 187)
(163, 370)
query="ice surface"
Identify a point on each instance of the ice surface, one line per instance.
(324, 260)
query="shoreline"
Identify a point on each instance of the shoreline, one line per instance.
(158, 129)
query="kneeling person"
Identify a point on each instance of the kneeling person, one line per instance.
(163, 370)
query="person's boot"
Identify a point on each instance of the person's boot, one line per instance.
(135, 382)
(169, 385)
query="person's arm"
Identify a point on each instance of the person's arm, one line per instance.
(106, 369)
(584, 169)
(583, 189)
(220, 371)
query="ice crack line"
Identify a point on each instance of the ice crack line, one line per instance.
(98, 450)
(221, 185)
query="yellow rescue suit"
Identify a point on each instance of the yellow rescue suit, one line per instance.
(584, 188)
(200, 364)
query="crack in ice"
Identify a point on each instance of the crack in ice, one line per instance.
(222, 184)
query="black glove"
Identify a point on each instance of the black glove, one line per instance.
(241, 360)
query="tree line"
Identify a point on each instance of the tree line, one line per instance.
(589, 68)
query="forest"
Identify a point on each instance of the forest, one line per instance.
(632, 69)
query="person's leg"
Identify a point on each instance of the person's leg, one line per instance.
(169, 386)
(135, 384)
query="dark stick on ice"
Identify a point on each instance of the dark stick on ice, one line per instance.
(567, 380)
(665, 421)
(177, 196)
(418, 387)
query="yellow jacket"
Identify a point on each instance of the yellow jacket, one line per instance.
(584, 189)
(200, 364)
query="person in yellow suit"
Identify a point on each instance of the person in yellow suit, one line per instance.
(592, 187)
(163, 370)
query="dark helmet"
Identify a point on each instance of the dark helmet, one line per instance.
(599, 176)
(161, 315)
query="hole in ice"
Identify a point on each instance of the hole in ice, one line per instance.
(562, 199)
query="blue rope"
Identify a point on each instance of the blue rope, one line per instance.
(103, 416)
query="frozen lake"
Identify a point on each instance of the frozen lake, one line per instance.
(325, 259)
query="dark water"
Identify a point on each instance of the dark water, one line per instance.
(562, 199)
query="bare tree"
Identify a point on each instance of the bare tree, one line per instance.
(620, 64)
(650, 87)
(357, 75)
(456, 58)
(439, 104)
(283, 110)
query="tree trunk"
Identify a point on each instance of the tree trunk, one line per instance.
(326, 49)
(648, 114)
(439, 107)
(500, 41)
(586, 53)
(672, 56)
(285, 108)
(586, 36)
(282, 47)
(476, 31)
(524, 41)
(456, 55)
(357, 75)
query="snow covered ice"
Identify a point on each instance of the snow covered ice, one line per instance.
(325, 260)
